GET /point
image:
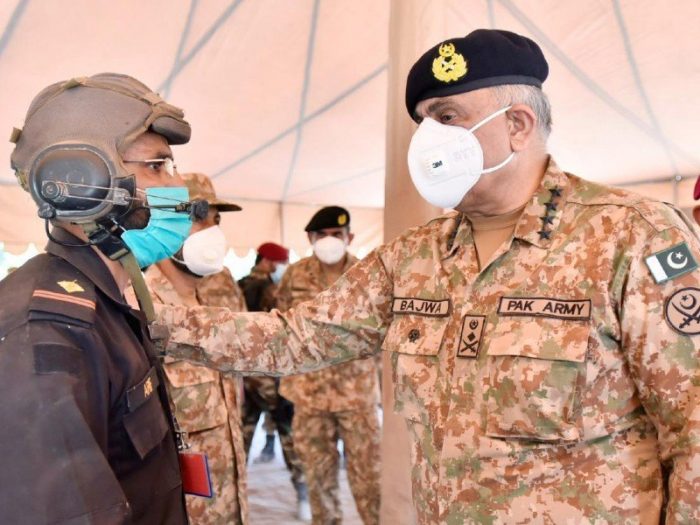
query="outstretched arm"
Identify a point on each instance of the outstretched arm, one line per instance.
(347, 321)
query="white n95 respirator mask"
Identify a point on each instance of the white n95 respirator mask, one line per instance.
(330, 250)
(204, 252)
(445, 162)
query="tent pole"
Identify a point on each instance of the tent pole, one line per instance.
(280, 211)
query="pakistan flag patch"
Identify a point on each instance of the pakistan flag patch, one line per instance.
(671, 262)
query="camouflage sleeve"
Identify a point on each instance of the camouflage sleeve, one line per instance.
(660, 323)
(347, 321)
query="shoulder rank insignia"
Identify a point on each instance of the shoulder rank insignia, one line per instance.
(449, 66)
(671, 262)
(70, 286)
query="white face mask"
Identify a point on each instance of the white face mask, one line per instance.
(330, 249)
(446, 162)
(276, 276)
(203, 252)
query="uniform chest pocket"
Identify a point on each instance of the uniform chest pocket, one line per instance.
(535, 373)
(414, 342)
(197, 395)
(145, 423)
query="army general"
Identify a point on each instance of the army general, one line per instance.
(544, 337)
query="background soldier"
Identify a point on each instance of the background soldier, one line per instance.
(85, 417)
(337, 402)
(206, 403)
(549, 371)
(262, 392)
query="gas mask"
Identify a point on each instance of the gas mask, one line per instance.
(446, 162)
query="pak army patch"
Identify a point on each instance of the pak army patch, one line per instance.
(470, 336)
(671, 262)
(682, 311)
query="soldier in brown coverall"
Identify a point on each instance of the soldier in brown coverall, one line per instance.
(85, 421)
(339, 401)
(549, 377)
(206, 402)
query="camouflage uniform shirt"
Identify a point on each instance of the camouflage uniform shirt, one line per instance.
(348, 386)
(204, 399)
(559, 384)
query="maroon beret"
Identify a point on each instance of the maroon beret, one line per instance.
(273, 252)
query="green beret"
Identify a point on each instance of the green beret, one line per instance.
(484, 58)
(329, 217)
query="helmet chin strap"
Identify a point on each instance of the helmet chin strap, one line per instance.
(114, 248)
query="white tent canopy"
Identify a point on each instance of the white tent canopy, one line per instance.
(287, 99)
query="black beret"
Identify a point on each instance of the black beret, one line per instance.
(329, 217)
(483, 58)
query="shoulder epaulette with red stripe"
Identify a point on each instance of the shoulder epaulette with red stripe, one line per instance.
(66, 293)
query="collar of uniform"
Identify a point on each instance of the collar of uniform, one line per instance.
(540, 219)
(85, 259)
(456, 231)
(257, 273)
(159, 286)
(317, 269)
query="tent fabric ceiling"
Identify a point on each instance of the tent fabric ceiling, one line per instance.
(288, 99)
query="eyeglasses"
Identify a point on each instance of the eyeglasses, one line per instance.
(166, 163)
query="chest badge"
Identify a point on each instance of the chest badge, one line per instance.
(450, 66)
(70, 286)
(670, 263)
(471, 335)
(147, 388)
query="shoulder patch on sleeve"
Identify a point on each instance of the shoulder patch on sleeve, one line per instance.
(671, 262)
(50, 358)
(682, 311)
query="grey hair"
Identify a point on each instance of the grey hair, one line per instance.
(531, 96)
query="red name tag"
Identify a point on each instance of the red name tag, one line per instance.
(194, 469)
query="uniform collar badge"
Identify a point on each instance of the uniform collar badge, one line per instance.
(449, 66)
(70, 286)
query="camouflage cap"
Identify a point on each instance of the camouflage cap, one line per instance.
(201, 187)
